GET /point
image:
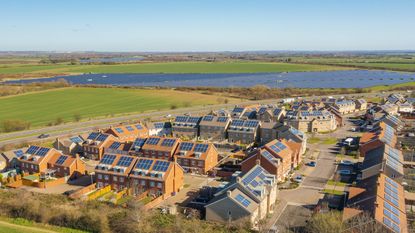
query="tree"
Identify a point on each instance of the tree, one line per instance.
(325, 223)
(15, 125)
(77, 117)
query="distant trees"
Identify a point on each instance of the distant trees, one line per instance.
(77, 117)
(14, 125)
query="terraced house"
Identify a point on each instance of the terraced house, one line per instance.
(116, 147)
(238, 112)
(35, 159)
(128, 132)
(93, 146)
(383, 134)
(114, 170)
(197, 158)
(214, 127)
(186, 126)
(250, 196)
(159, 129)
(311, 121)
(136, 147)
(157, 177)
(345, 106)
(243, 131)
(361, 104)
(160, 148)
(270, 114)
(71, 167)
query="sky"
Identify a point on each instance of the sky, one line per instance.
(210, 25)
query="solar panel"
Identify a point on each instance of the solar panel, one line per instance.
(237, 123)
(144, 164)
(275, 148)
(108, 159)
(268, 156)
(102, 137)
(391, 225)
(76, 139)
(43, 151)
(125, 161)
(181, 119)
(238, 109)
(153, 141)
(277, 111)
(222, 119)
(159, 125)
(391, 208)
(168, 142)
(281, 146)
(245, 202)
(93, 135)
(186, 146)
(193, 119)
(129, 128)
(391, 182)
(251, 124)
(201, 148)
(138, 126)
(208, 118)
(119, 130)
(139, 142)
(161, 166)
(18, 153)
(61, 159)
(115, 145)
(32, 150)
(392, 200)
(262, 110)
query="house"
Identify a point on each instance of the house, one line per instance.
(337, 115)
(10, 159)
(159, 129)
(214, 127)
(160, 148)
(384, 134)
(157, 177)
(68, 166)
(70, 145)
(93, 146)
(383, 199)
(405, 107)
(116, 147)
(276, 157)
(395, 98)
(393, 121)
(361, 104)
(312, 121)
(383, 159)
(128, 132)
(136, 147)
(250, 196)
(345, 106)
(290, 134)
(391, 109)
(35, 159)
(238, 112)
(197, 157)
(114, 170)
(186, 126)
(270, 114)
(268, 131)
(243, 131)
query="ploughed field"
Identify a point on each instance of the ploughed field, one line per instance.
(42, 108)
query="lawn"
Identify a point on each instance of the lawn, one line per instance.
(333, 192)
(42, 108)
(20, 225)
(168, 67)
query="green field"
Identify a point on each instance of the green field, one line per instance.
(20, 225)
(42, 108)
(391, 66)
(171, 67)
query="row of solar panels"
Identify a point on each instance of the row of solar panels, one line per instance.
(125, 161)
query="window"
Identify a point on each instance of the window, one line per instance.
(152, 184)
(121, 179)
(106, 177)
(99, 176)
(159, 185)
(193, 163)
(143, 182)
(114, 178)
(200, 163)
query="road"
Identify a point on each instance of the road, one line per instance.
(82, 127)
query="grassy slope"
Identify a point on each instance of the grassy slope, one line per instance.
(171, 67)
(44, 107)
(19, 225)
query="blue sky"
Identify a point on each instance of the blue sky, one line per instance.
(211, 25)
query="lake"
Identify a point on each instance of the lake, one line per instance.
(324, 79)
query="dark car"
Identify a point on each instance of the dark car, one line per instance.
(43, 135)
(312, 164)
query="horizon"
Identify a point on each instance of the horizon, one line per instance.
(214, 26)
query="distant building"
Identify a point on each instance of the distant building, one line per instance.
(128, 132)
(312, 121)
(267, 114)
(186, 126)
(214, 127)
(243, 131)
(10, 159)
(361, 104)
(345, 106)
(197, 157)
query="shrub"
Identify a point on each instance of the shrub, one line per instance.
(15, 125)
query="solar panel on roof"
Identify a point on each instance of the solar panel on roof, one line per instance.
(391, 208)
(193, 119)
(391, 225)
(61, 159)
(245, 202)
(76, 139)
(208, 118)
(125, 161)
(43, 151)
(115, 145)
(18, 153)
(168, 142)
(238, 109)
(129, 128)
(186, 146)
(161, 166)
(93, 135)
(139, 142)
(262, 110)
(153, 141)
(108, 159)
(32, 150)
(392, 200)
(159, 125)
(391, 182)
(119, 130)
(268, 156)
(251, 124)
(138, 126)
(102, 137)
(281, 146)
(222, 119)
(181, 119)
(144, 164)
(201, 148)
(237, 123)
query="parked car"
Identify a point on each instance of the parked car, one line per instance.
(346, 162)
(43, 136)
(312, 163)
(298, 179)
(344, 172)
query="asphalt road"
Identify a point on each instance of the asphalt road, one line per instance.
(82, 127)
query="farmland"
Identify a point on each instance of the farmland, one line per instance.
(42, 108)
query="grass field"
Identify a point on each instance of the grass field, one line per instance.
(20, 225)
(171, 67)
(390, 66)
(42, 108)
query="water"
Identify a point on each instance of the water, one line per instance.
(325, 79)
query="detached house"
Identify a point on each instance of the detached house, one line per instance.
(128, 132)
(312, 121)
(197, 157)
(214, 127)
(35, 159)
(160, 148)
(186, 126)
(157, 177)
(71, 167)
(70, 145)
(251, 196)
(93, 146)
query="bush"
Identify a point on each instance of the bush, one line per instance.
(14, 125)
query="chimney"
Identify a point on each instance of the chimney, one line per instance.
(258, 162)
(238, 179)
(228, 193)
